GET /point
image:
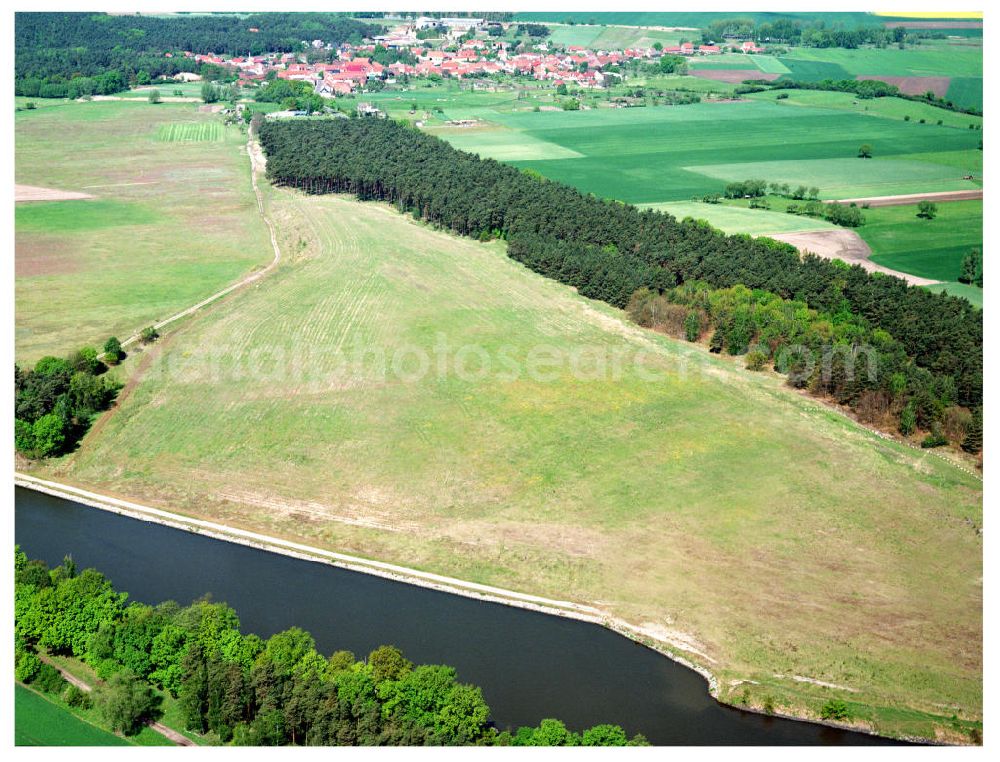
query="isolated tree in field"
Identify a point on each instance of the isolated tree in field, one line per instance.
(927, 210)
(209, 92)
(154, 96)
(126, 702)
(972, 268)
(113, 351)
(149, 335)
(865, 151)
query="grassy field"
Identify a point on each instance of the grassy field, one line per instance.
(737, 219)
(40, 722)
(928, 248)
(171, 222)
(649, 489)
(973, 293)
(659, 154)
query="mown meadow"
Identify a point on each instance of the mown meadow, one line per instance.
(647, 493)
(173, 219)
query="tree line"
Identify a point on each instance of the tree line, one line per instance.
(110, 52)
(244, 690)
(862, 88)
(815, 34)
(55, 402)
(605, 248)
(837, 356)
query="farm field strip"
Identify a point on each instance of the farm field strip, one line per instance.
(735, 219)
(188, 132)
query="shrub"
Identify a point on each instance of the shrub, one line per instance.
(76, 697)
(113, 351)
(692, 326)
(49, 680)
(908, 420)
(756, 360)
(835, 709)
(149, 335)
(934, 439)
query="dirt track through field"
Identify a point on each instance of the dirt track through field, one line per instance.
(845, 245)
(914, 198)
(36, 193)
(257, 165)
(159, 727)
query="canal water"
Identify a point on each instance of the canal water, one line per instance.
(529, 665)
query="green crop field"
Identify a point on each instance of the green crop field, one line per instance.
(659, 154)
(40, 722)
(171, 222)
(967, 91)
(930, 59)
(928, 248)
(399, 393)
(737, 219)
(973, 293)
(187, 132)
(845, 178)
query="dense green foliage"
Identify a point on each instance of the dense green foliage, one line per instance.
(74, 54)
(245, 690)
(606, 249)
(55, 401)
(835, 355)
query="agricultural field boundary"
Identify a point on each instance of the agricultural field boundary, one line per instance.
(912, 198)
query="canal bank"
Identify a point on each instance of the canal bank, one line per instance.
(530, 665)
